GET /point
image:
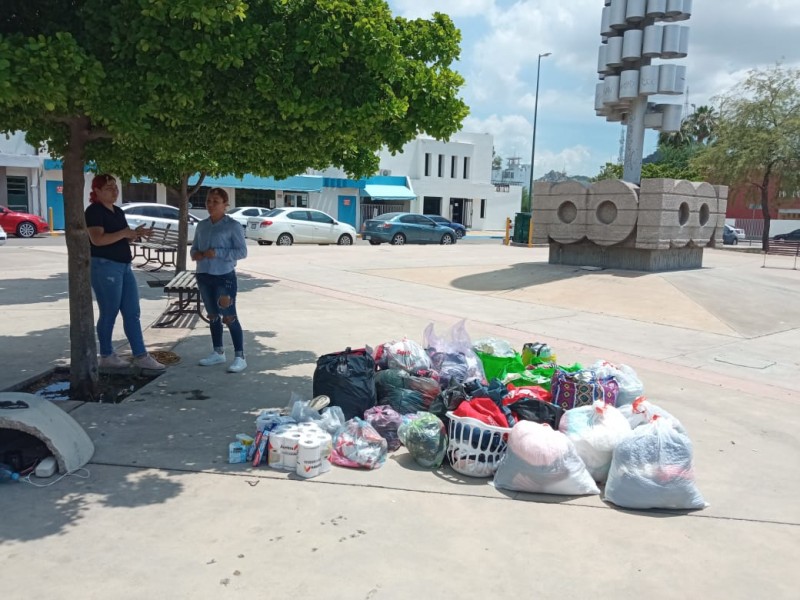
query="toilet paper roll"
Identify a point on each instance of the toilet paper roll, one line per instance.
(274, 447)
(325, 449)
(308, 457)
(289, 446)
(309, 427)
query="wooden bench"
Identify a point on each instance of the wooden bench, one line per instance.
(783, 248)
(184, 284)
(160, 248)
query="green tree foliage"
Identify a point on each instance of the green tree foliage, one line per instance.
(757, 137)
(167, 88)
(697, 128)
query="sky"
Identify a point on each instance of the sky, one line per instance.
(502, 39)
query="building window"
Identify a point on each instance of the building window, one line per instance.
(483, 208)
(427, 164)
(453, 167)
(196, 200)
(260, 198)
(17, 189)
(139, 192)
(295, 199)
(441, 165)
(466, 167)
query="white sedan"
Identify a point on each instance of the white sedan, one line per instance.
(151, 214)
(287, 226)
(242, 213)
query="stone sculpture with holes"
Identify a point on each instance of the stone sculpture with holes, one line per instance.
(662, 225)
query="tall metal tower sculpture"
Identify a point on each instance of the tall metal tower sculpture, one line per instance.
(632, 37)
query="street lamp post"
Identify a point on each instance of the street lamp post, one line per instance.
(535, 114)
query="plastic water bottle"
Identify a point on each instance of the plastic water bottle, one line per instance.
(6, 474)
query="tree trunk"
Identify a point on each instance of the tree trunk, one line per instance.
(183, 224)
(83, 347)
(185, 194)
(765, 209)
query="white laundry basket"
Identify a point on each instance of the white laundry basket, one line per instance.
(475, 448)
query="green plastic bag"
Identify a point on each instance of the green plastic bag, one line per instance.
(541, 375)
(498, 367)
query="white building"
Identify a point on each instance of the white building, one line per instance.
(450, 178)
(21, 176)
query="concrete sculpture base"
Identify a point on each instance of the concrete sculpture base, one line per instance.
(662, 225)
(66, 440)
(618, 257)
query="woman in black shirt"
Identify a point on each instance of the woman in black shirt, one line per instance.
(112, 277)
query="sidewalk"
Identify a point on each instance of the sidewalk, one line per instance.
(163, 513)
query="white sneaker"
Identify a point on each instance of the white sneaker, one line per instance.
(238, 365)
(112, 361)
(215, 358)
(149, 363)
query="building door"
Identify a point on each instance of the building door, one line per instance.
(55, 201)
(431, 206)
(347, 210)
(457, 210)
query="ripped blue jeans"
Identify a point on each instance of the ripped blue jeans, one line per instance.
(219, 298)
(116, 292)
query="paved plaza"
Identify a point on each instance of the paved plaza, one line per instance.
(163, 514)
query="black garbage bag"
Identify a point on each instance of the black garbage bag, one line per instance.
(348, 379)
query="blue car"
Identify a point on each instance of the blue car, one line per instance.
(406, 228)
(460, 230)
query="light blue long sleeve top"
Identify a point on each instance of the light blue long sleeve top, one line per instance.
(226, 237)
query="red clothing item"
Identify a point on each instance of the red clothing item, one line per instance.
(530, 391)
(483, 410)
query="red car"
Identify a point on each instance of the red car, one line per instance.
(22, 224)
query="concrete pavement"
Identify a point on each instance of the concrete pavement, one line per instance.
(163, 513)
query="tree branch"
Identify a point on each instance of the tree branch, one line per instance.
(197, 185)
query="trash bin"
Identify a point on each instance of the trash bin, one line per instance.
(522, 224)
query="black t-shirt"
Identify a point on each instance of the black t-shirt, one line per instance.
(98, 215)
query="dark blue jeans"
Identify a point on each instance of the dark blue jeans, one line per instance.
(212, 288)
(116, 292)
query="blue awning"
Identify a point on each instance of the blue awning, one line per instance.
(389, 192)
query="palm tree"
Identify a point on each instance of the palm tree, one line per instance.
(696, 128)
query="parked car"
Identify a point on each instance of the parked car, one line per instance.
(406, 228)
(732, 235)
(3, 236)
(460, 230)
(242, 213)
(287, 226)
(792, 236)
(160, 215)
(24, 225)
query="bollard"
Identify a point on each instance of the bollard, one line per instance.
(508, 230)
(530, 233)
(50, 220)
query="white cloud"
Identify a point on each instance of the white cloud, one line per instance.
(503, 38)
(413, 9)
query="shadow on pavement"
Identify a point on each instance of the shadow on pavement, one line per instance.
(33, 291)
(62, 505)
(522, 275)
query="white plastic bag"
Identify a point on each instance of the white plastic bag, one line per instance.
(653, 468)
(595, 430)
(630, 386)
(642, 411)
(541, 460)
(457, 342)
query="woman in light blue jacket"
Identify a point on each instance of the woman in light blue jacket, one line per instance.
(218, 243)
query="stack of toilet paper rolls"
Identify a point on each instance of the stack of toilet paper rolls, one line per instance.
(304, 448)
